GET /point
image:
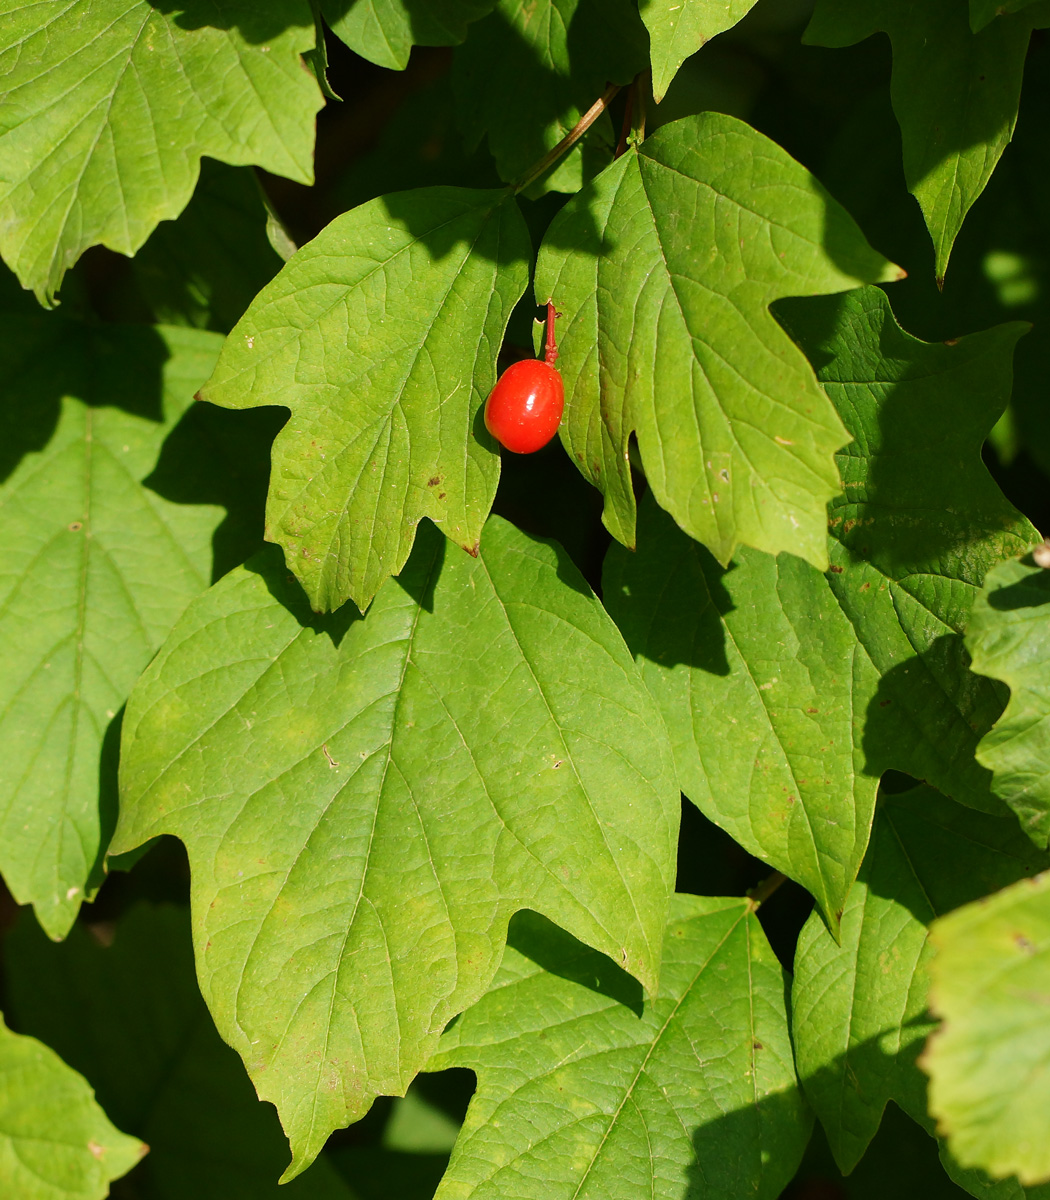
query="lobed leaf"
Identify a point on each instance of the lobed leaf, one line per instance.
(384, 31)
(110, 105)
(94, 569)
(381, 336)
(858, 1005)
(678, 30)
(665, 267)
(581, 1095)
(1009, 638)
(366, 801)
(788, 692)
(56, 1143)
(129, 1015)
(530, 70)
(987, 1062)
(955, 94)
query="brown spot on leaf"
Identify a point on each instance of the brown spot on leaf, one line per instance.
(884, 703)
(76, 526)
(433, 481)
(836, 570)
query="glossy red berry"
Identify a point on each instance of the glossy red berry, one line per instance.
(524, 409)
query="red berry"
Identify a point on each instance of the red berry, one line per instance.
(524, 408)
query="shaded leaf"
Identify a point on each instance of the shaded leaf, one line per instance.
(983, 12)
(667, 332)
(989, 979)
(531, 69)
(110, 104)
(955, 94)
(859, 1006)
(1009, 638)
(374, 336)
(788, 692)
(384, 31)
(94, 570)
(129, 1015)
(56, 1143)
(366, 801)
(581, 1094)
(680, 29)
(205, 268)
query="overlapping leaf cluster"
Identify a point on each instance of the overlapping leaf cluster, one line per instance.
(427, 777)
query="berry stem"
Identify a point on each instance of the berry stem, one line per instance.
(570, 139)
(552, 346)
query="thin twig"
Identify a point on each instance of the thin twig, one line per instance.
(759, 894)
(625, 128)
(570, 139)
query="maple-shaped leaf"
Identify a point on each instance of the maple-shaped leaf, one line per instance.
(56, 1143)
(128, 1014)
(1009, 638)
(955, 94)
(787, 691)
(384, 31)
(679, 29)
(110, 104)
(94, 569)
(366, 801)
(989, 1083)
(381, 336)
(529, 71)
(664, 268)
(585, 1093)
(858, 1005)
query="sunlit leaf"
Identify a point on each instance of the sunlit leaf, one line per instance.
(989, 1082)
(381, 336)
(665, 267)
(859, 1005)
(1009, 638)
(583, 1093)
(788, 692)
(384, 31)
(56, 1143)
(94, 569)
(366, 801)
(680, 29)
(110, 104)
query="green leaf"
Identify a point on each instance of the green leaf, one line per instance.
(667, 332)
(989, 1083)
(581, 1095)
(129, 1015)
(205, 268)
(110, 104)
(56, 1143)
(983, 12)
(384, 31)
(366, 801)
(381, 336)
(530, 70)
(94, 570)
(859, 1005)
(1009, 638)
(955, 94)
(680, 29)
(788, 692)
